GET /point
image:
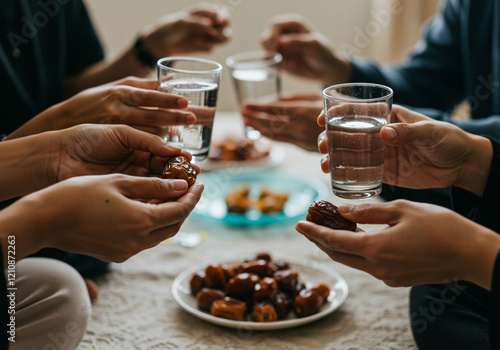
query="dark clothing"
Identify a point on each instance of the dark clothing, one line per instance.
(458, 59)
(4, 306)
(461, 315)
(43, 42)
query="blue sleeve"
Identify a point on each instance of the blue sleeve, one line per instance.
(489, 126)
(432, 75)
(484, 211)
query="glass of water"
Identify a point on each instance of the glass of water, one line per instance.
(354, 115)
(256, 78)
(198, 80)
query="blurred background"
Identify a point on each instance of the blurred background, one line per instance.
(383, 30)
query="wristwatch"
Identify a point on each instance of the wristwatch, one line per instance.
(143, 55)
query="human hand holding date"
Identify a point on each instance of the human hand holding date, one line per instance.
(110, 217)
(422, 243)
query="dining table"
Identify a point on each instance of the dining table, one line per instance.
(137, 308)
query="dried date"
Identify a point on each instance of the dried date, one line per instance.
(327, 214)
(178, 167)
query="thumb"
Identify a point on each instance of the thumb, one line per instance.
(399, 134)
(151, 188)
(383, 213)
(141, 83)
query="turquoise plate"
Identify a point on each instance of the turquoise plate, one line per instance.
(302, 191)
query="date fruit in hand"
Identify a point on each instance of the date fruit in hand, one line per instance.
(178, 167)
(327, 214)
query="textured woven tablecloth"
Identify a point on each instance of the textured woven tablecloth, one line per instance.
(136, 309)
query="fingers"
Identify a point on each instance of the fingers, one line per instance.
(141, 83)
(384, 213)
(142, 141)
(152, 188)
(323, 143)
(275, 107)
(282, 25)
(401, 133)
(329, 240)
(401, 114)
(148, 98)
(170, 213)
(158, 117)
(300, 97)
(321, 119)
(325, 164)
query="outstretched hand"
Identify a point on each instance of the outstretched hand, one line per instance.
(91, 149)
(291, 119)
(422, 243)
(425, 153)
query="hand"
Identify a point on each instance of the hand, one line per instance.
(424, 153)
(423, 243)
(194, 29)
(110, 217)
(306, 52)
(102, 149)
(291, 119)
(132, 101)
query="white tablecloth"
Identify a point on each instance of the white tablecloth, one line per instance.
(136, 309)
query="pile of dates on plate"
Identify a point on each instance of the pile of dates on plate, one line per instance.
(259, 289)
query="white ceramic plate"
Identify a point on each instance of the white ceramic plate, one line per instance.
(309, 272)
(275, 158)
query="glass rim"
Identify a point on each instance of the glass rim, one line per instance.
(264, 58)
(389, 94)
(160, 64)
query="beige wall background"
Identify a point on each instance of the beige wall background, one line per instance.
(381, 29)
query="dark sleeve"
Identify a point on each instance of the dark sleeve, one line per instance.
(484, 211)
(432, 75)
(485, 126)
(4, 316)
(494, 326)
(83, 47)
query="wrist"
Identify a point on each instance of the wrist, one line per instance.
(21, 221)
(478, 265)
(143, 54)
(339, 71)
(476, 169)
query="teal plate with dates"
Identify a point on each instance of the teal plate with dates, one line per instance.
(301, 192)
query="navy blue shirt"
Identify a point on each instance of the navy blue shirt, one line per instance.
(457, 59)
(484, 211)
(42, 42)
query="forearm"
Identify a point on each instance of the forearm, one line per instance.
(479, 261)
(475, 172)
(125, 64)
(19, 221)
(27, 164)
(50, 119)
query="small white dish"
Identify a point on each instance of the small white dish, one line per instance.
(310, 273)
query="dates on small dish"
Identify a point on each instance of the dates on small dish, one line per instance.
(327, 214)
(258, 289)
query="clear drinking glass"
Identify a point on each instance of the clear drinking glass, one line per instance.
(198, 80)
(354, 116)
(256, 77)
